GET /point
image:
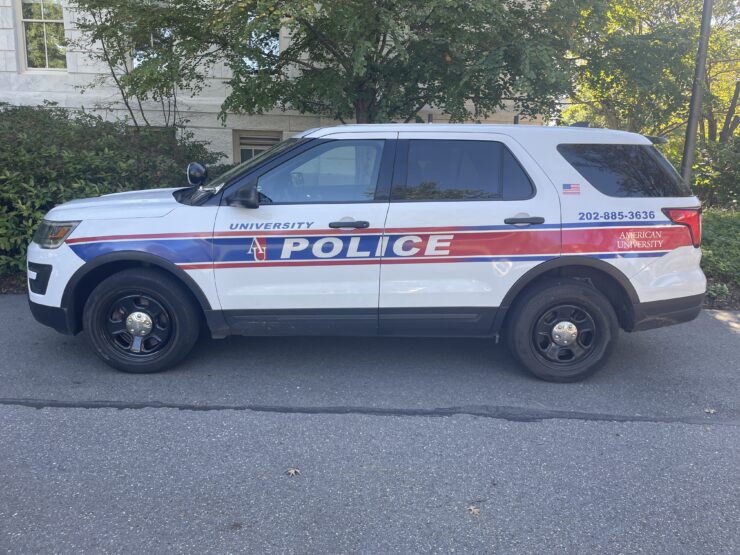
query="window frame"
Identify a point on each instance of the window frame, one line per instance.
(254, 134)
(23, 47)
(400, 172)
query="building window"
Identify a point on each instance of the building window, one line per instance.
(251, 143)
(43, 32)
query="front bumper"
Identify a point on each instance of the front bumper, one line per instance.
(55, 317)
(657, 314)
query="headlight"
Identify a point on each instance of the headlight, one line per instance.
(50, 235)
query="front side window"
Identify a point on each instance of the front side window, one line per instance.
(43, 32)
(336, 171)
(625, 170)
(462, 170)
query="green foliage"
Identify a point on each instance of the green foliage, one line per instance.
(635, 72)
(49, 155)
(721, 246)
(717, 290)
(636, 66)
(386, 60)
(716, 170)
(716, 174)
(154, 51)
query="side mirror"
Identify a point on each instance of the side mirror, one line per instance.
(197, 174)
(246, 197)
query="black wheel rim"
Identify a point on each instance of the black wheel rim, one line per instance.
(138, 346)
(548, 344)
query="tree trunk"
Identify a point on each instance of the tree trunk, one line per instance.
(362, 114)
(711, 128)
(730, 118)
(365, 103)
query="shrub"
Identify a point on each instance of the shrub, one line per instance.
(717, 174)
(721, 246)
(49, 155)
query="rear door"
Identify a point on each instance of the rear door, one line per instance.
(305, 261)
(470, 213)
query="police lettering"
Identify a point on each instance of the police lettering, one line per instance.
(368, 246)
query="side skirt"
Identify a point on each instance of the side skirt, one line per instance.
(407, 322)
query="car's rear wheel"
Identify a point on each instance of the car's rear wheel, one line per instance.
(141, 321)
(562, 331)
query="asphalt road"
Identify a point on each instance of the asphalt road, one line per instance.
(395, 440)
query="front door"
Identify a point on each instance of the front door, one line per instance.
(307, 260)
(470, 213)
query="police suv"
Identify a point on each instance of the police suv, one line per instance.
(551, 238)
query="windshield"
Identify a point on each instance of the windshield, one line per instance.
(217, 183)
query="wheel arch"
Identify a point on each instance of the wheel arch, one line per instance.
(84, 280)
(605, 277)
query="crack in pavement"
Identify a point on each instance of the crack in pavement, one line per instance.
(513, 414)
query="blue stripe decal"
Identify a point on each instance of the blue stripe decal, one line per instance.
(174, 250)
(629, 254)
(637, 223)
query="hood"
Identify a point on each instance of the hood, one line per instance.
(151, 203)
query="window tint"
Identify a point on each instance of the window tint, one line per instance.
(336, 171)
(625, 170)
(462, 170)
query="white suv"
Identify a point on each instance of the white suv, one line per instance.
(552, 238)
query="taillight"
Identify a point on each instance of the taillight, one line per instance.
(690, 217)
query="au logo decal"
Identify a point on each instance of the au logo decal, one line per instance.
(258, 249)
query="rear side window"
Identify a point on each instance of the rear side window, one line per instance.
(625, 170)
(462, 170)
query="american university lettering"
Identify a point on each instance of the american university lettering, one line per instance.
(643, 239)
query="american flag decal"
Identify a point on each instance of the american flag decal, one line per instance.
(571, 189)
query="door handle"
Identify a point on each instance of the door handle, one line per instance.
(525, 221)
(356, 224)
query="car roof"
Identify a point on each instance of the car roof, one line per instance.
(557, 134)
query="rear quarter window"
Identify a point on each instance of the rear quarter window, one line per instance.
(625, 170)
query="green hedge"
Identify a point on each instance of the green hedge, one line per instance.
(721, 247)
(49, 155)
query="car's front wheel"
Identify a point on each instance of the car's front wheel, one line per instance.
(562, 331)
(141, 321)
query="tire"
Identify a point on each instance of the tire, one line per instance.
(534, 340)
(169, 327)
